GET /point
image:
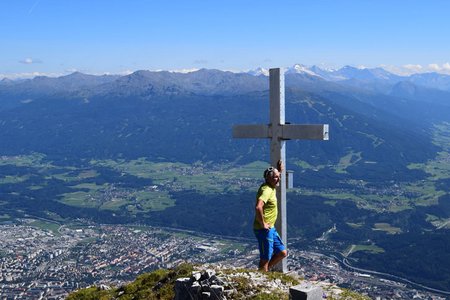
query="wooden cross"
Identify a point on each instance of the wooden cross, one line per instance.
(278, 132)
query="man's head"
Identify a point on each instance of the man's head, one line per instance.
(272, 176)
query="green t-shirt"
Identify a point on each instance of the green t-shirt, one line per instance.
(268, 195)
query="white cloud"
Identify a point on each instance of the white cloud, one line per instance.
(434, 67)
(29, 61)
(402, 70)
(410, 69)
(84, 71)
(124, 72)
(28, 75)
(185, 71)
(443, 69)
(327, 66)
(415, 68)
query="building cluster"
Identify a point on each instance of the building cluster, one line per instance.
(40, 264)
(325, 269)
(29, 259)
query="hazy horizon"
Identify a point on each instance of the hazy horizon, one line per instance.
(103, 37)
(393, 70)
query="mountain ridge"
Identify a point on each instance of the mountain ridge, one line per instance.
(369, 75)
(179, 100)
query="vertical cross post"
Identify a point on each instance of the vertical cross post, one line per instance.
(278, 149)
(278, 132)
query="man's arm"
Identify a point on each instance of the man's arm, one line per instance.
(259, 211)
(280, 166)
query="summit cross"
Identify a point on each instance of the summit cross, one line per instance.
(278, 132)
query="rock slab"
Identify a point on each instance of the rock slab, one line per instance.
(200, 286)
(305, 292)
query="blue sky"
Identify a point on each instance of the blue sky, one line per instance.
(56, 37)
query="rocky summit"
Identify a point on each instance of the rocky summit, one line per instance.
(211, 282)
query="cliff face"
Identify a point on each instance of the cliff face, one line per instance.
(209, 281)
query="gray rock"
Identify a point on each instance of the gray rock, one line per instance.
(205, 283)
(182, 286)
(217, 292)
(201, 285)
(195, 289)
(216, 280)
(230, 291)
(305, 291)
(206, 288)
(217, 288)
(196, 275)
(183, 281)
(207, 274)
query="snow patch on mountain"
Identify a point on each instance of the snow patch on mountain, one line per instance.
(259, 71)
(301, 69)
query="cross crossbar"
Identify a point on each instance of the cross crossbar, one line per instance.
(251, 131)
(288, 131)
(305, 132)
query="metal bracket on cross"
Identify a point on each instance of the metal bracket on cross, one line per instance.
(278, 132)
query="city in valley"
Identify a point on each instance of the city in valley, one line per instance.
(51, 260)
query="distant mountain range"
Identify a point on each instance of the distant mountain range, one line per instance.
(153, 114)
(350, 75)
(344, 75)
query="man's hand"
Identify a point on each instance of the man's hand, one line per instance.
(280, 166)
(260, 214)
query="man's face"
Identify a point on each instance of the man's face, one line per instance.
(274, 180)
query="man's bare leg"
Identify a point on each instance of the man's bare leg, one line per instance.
(264, 265)
(276, 259)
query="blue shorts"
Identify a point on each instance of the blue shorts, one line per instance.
(269, 242)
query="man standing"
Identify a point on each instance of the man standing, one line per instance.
(271, 248)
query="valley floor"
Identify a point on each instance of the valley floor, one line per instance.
(38, 262)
